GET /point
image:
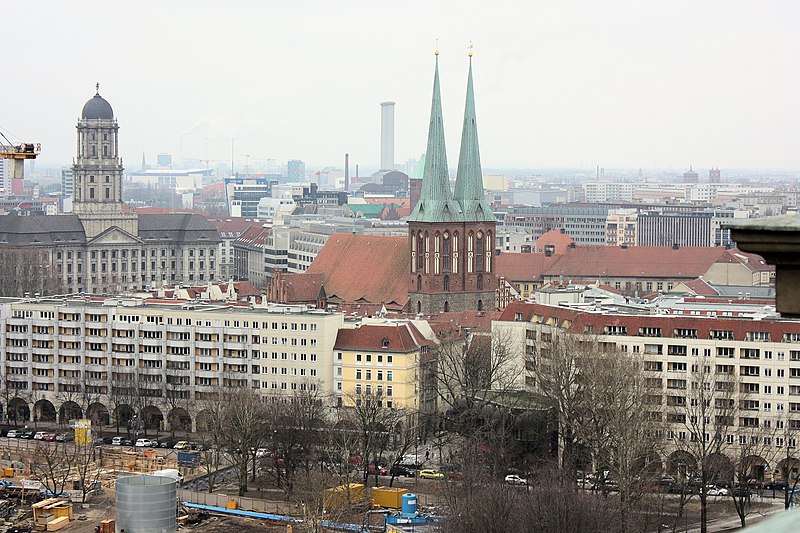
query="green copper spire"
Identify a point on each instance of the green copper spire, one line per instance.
(436, 202)
(469, 179)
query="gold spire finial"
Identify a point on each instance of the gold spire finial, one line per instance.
(469, 49)
(436, 52)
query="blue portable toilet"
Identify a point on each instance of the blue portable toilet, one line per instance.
(409, 505)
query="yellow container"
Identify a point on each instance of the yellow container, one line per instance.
(342, 496)
(8, 472)
(388, 497)
(232, 504)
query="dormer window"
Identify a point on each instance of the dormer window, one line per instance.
(385, 342)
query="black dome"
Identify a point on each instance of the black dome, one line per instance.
(96, 108)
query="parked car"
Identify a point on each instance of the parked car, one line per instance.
(64, 437)
(127, 442)
(429, 473)
(514, 479)
(400, 470)
(181, 445)
(50, 437)
(39, 435)
(713, 490)
(776, 485)
(13, 434)
(27, 435)
(143, 443)
(741, 491)
(117, 441)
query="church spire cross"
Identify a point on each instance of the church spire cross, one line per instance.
(97, 88)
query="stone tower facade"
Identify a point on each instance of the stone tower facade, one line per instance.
(451, 235)
(97, 192)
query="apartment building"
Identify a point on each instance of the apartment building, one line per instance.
(381, 360)
(586, 225)
(111, 360)
(759, 357)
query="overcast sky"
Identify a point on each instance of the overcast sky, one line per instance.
(620, 83)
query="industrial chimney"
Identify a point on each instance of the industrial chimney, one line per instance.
(387, 135)
(346, 172)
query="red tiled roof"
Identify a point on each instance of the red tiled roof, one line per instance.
(701, 287)
(399, 202)
(253, 236)
(580, 322)
(554, 237)
(472, 320)
(523, 267)
(162, 211)
(364, 269)
(234, 225)
(638, 261)
(300, 288)
(397, 338)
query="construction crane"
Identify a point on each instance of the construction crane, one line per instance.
(18, 153)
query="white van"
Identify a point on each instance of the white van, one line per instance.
(170, 473)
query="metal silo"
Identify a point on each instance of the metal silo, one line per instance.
(146, 504)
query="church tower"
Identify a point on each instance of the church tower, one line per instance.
(451, 237)
(97, 196)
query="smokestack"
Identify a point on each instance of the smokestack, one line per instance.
(346, 172)
(387, 135)
(356, 176)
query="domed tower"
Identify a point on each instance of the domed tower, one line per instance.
(97, 196)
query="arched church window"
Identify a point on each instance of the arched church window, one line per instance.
(446, 283)
(447, 251)
(419, 283)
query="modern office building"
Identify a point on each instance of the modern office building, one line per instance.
(658, 228)
(295, 170)
(586, 225)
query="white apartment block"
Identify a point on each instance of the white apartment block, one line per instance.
(597, 192)
(760, 357)
(111, 360)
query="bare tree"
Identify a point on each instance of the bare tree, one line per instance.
(245, 418)
(616, 424)
(212, 435)
(787, 435)
(705, 407)
(298, 423)
(751, 456)
(52, 465)
(26, 271)
(375, 424)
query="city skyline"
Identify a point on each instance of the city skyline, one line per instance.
(625, 85)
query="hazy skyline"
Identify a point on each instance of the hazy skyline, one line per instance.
(619, 83)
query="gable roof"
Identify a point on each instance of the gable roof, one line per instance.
(560, 241)
(392, 338)
(523, 266)
(637, 261)
(364, 268)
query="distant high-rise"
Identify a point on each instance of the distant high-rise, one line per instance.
(5, 177)
(690, 176)
(714, 176)
(296, 170)
(163, 160)
(67, 181)
(387, 135)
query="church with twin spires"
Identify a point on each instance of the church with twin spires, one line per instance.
(451, 233)
(447, 262)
